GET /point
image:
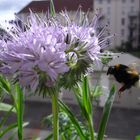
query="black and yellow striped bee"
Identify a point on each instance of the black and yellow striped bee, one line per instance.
(126, 75)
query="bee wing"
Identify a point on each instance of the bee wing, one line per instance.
(135, 66)
(132, 72)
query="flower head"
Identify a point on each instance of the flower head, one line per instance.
(40, 49)
(84, 43)
(50, 52)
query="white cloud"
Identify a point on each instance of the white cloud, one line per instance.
(12, 4)
(8, 8)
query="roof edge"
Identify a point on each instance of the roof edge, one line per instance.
(24, 7)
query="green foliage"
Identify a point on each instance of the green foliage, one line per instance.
(4, 107)
(71, 128)
(67, 129)
(52, 9)
(96, 92)
(19, 109)
(106, 58)
(106, 113)
(137, 137)
(4, 85)
(7, 107)
(16, 95)
(73, 119)
(83, 95)
(74, 74)
(7, 129)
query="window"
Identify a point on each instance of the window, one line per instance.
(132, 9)
(100, 1)
(122, 42)
(123, 21)
(108, 1)
(132, 1)
(122, 32)
(100, 9)
(108, 21)
(123, 12)
(108, 10)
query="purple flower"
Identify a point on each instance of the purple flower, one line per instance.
(84, 44)
(50, 52)
(29, 78)
(84, 35)
(52, 64)
(40, 49)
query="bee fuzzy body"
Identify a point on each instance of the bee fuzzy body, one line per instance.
(126, 75)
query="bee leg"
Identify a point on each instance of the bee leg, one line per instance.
(123, 88)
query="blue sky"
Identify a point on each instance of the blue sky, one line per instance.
(9, 7)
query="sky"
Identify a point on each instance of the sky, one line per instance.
(9, 7)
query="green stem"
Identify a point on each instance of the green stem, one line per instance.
(55, 116)
(20, 108)
(91, 128)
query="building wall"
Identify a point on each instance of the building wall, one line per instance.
(117, 14)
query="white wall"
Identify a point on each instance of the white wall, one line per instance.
(114, 12)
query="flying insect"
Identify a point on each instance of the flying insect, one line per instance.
(126, 75)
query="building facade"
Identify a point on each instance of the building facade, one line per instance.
(43, 6)
(123, 19)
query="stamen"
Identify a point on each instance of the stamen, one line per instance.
(102, 31)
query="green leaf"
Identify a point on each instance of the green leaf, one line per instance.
(52, 9)
(73, 120)
(5, 117)
(86, 95)
(77, 91)
(6, 107)
(75, 137)
(97, 92)
(7, 129)
(82, 94)
(85, 103)
(63, 137)
(13, 127)
(106, 113)
(4, 84)
(137, 137)
(49, 137)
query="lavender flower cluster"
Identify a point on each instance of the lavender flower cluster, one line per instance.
(50, 52)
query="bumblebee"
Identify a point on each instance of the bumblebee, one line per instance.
(126, 75)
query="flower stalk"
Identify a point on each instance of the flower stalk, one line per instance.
(91, 128)
(55, 116)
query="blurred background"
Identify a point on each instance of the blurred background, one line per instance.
(123, 19)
